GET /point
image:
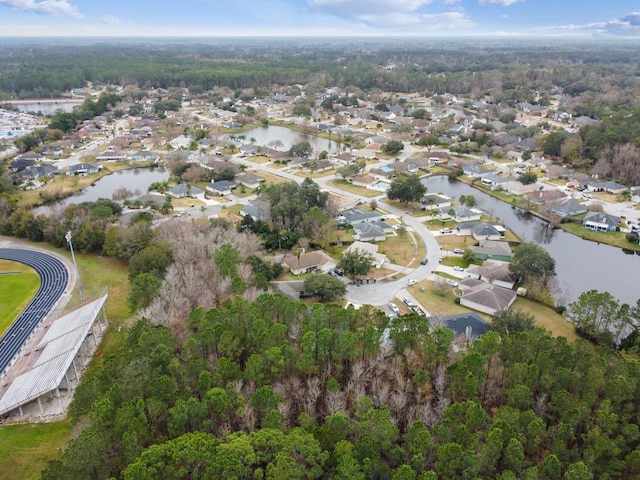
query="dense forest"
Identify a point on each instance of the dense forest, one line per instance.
(276, 389)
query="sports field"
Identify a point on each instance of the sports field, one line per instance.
(18, 285)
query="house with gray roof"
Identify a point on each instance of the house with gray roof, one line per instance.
(356, 216)
(609, 187)
(258, 210)
(431, 201)
(221, 187)
(249, 180)
(459, 213)
(601, 222)
(567, 207)
(492, 249)
(470, 324)
(309, 262)
(369, 232)
(185, 190)
(493, 271)
(83, 169)
(34, 172)
(486, 298)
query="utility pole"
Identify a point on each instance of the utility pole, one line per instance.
(75, 265)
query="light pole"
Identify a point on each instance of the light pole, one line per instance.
(75, 265)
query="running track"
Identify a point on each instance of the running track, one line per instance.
(54, 277)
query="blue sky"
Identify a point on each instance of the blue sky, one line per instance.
(619, 18)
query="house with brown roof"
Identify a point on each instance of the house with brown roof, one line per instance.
(309, 262)
(363, 180)
(540, 197)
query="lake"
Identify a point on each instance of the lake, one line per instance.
(581, 265)
(46, 107)
(136, 180)
(288, 137)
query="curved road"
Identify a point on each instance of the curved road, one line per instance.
(54, 278)
(383, 292)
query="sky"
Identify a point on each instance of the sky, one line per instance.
(215, 18)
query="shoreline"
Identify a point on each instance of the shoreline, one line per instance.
(39, 101)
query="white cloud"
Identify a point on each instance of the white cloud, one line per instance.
(385, 14)
(45, 7)
(356, 8)
(505, 3)
(626, 26)
(111, 20)
(419, 23)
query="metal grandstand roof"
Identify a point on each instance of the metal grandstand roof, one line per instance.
(57, 349)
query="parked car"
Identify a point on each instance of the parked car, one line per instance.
(408, 302)
(424, 261)
(587, 196)
(445, 230)
(458, 268)
(453, 283)
(394, 308)
(338, 272)
(458, 250)
(411, 282)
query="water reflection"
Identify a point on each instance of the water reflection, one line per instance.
(581, 265)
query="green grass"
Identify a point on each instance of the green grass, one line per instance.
(16, 291)
(28, 447)
(344, 185)
(617, 239)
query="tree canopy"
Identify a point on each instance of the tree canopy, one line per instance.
(406, 189)
(531, 260)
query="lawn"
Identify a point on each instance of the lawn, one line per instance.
(547, 318)
(402, 249)
(29, 447)
(18, 286)
(616, 239)
(348, 187)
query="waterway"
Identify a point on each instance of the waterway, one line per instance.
(581, 265)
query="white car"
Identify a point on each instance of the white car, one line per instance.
(446, 230)
(587, 196)
(394, 308)
(458, 268)
(411, 282)
(453, 283)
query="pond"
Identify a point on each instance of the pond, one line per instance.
(46, 107)
(581, 265)
(265, 135)
(137, 180)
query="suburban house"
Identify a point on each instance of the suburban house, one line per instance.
(180, 143)
(404, 168)
(144, 155)
(34, 172)
(369, 232)
(154, 199)
(363, 180)
(540, 197)
(481, 230)
(309, 262)
(568, 207)
(21, 163)
(475, 170)
(609, 187)
(471, 325)
(493, 271)
(485, 297)
(258, 210)
(356, 216)
(382, 173)
(82, 169)
(345, 158)
(492, 249)
(249, 180)
(433, 200)
(221, 187)
(111, 156)
(460, 213)
(601, 222)
(184, 190)
(367, 248)
(514, 187)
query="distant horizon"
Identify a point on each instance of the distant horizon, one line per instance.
(319, 18)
